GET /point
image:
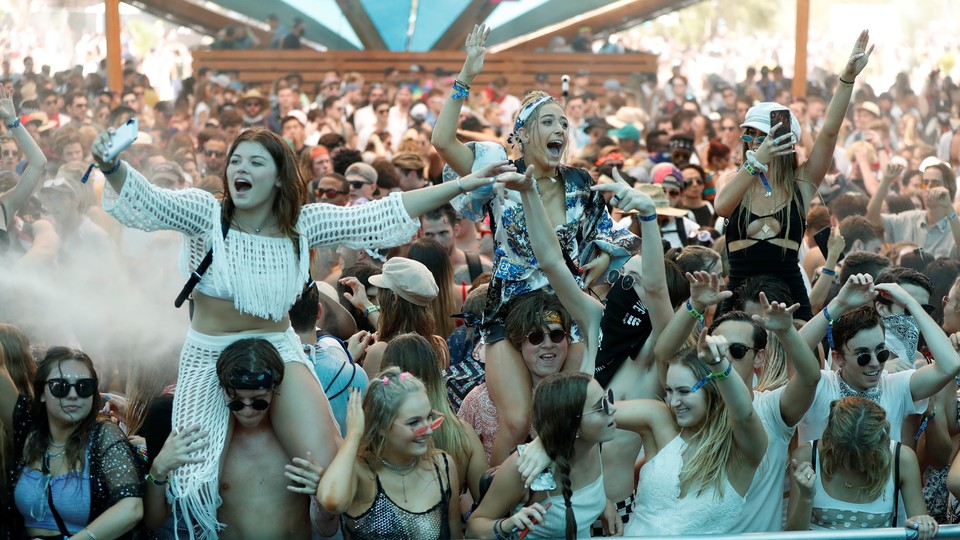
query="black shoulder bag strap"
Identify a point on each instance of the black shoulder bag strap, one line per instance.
(896, 485)
(197, 274)
(53, 509)
(473, 264)
(813, 456)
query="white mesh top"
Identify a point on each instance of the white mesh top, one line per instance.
(263, 275)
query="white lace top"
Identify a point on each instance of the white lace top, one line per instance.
(263, 275)
(658, 508)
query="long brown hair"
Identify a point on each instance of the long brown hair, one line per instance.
(19, 361)
(293, 191)
(39, 438)
(431, 253)
(558, 403)
(857, 438)
(146, 381)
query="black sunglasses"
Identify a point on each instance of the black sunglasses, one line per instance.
(605, 403)
(215, 153)
(59, 388)
(329, 193)
(864, 358)
(556, 336)
(359, 185)
(614, 275)
(739, 350)
(238, 405)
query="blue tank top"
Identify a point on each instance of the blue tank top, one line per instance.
(71, 497)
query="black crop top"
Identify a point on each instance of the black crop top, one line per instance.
(797, 223)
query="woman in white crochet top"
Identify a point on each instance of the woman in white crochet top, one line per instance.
(259, 268)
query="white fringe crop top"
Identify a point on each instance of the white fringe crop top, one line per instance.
(263, 275)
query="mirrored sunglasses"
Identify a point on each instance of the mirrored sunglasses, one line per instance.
(750, 138)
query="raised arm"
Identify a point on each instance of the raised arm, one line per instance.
(749, 435)
(420, 201)
(798, 394)
(338, 486)
(835, 246)
(584, 309)
(444, 138)
(815, 168)
(704, 292)
(14, 199)
(857, 291)
(890, 173)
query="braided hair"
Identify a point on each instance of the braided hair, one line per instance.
(557, 408)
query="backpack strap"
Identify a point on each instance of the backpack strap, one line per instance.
(197, 274)
(473, 264)
(896, 485)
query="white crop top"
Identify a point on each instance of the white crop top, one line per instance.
(263, 275)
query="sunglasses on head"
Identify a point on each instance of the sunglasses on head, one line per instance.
(750, 138)
(556, 336)
(605, 403)
(864, 358)
(238, 405)
(614, 275)
(433, 422)
(739, 350)
(59, 388)
(329, 193)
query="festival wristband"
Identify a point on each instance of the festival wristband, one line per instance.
(826, 315)
(651, 217)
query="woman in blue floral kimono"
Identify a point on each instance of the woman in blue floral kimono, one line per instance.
(592, 243)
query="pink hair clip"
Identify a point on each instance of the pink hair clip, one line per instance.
(404, 375)
(385, 380)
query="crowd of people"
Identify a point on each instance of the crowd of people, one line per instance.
(556, 315)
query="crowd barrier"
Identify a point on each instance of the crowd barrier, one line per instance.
(945, 532)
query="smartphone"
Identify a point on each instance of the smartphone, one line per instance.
(821, 237)
(122, 137)
(782, 117)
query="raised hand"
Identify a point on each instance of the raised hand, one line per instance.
(476, 51)
(895, 293)
(857, 291)
(775, 147)
(892, 170)
(705, 290)
(7, 110)
(858, 57)
(835, 245)
(358, 298)
(627, 198)
(355, 417)
(775, 316)
(101, 145)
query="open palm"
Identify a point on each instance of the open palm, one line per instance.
(858, 57)
(476, 50)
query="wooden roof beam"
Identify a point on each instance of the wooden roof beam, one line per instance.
(476, 12)
(194, 16)
(366, 31)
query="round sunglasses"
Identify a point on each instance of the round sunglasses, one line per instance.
(864, 358)
(605, 403)
(628, 281)
(60, 388)
(556, 336)
(238, 405)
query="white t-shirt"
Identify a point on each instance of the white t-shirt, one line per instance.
(763, 511)
(895, 398)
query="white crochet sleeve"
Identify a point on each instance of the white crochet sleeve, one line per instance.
(142, 205)
(378, 224)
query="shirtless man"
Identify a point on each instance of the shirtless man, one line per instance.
(249, 371)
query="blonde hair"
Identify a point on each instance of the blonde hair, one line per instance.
(381, 404)
(708, 466)
(774, 373)
(857, 438)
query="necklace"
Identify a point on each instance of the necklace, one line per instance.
(402, 471)
(248, 226)
(55, 445)
(54, 455)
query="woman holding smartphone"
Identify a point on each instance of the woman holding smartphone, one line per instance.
(766, 200)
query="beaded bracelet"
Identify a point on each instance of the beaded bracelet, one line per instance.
(460, 90)
(713, 377)
(694, 313)
(651, 217)
(15, 124)
(826, 315)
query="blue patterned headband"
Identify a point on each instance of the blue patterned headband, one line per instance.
(524, 114)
